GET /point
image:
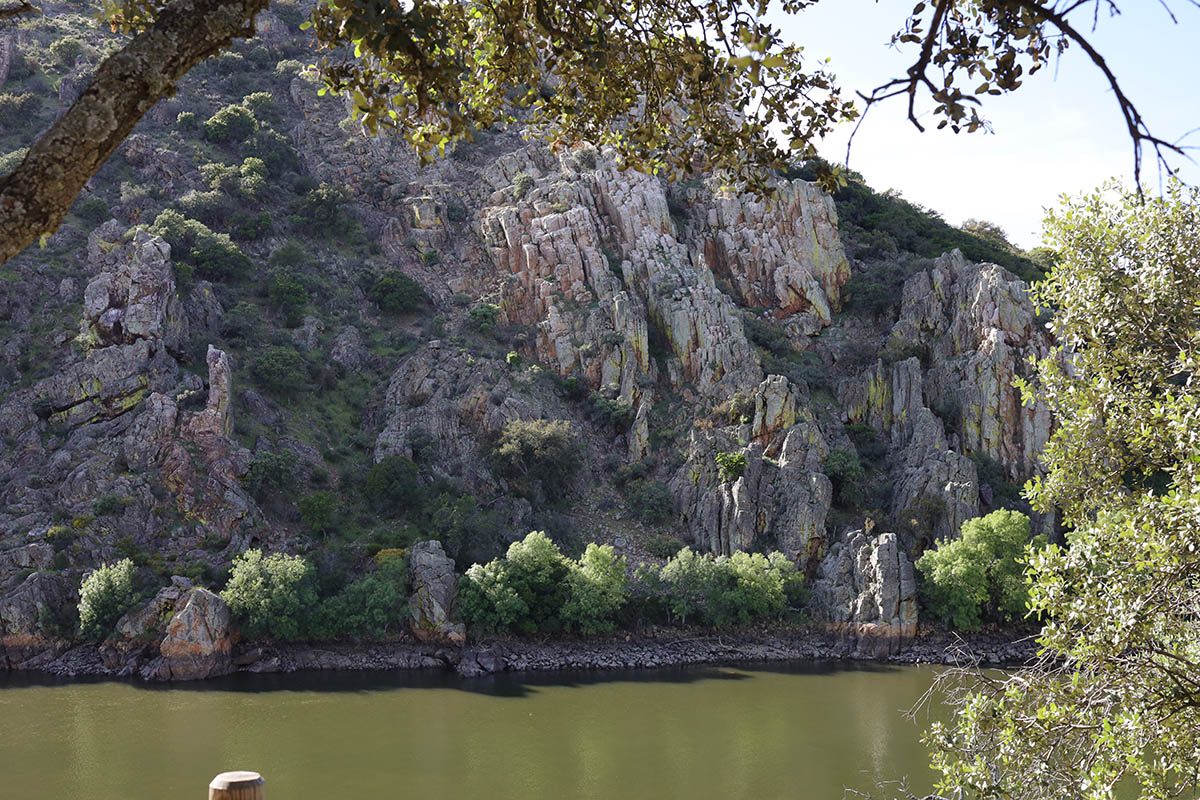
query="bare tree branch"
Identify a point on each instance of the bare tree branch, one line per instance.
(35, 198)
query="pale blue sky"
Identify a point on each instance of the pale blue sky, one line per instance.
(1060, 132)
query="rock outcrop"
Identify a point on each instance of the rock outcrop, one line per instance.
(434, 590)
(865, 590)
(198, 642)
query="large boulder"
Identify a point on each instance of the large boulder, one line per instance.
(865, 589)
(153, 617)
(434, 590)
(198, 643)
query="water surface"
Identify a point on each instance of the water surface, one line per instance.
(701, 734)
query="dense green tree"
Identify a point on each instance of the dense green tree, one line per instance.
(596, 590)
(393, 486)
(105, 594)
(281, 369)
(270, 595)
(1113, 708)
(981, 574)
(537, 456)
(394, 292)
(372, 606)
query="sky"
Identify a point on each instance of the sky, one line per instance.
(1061, 132)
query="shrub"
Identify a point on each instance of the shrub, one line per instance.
(615, 412)
(846, 473)
(92, 209)
(107, 505)
(320, 212)
(105, 594)
(281, 369)
(187, 121)
(250, 227)
(395, 292)
(66, 50)
(261, 106)
(596, 589)
(731, 466)
(233, 123)
(270, 595)
(372, 606)
(287, 293)
(10, 161)
(537, 455)
(459, 523)
(393, 486)
(271, 473)
(431, 258)
(213, 208)
(980, 575)
(513, 359)
(317, 511)
(483, 317)
(652, 502)
(16, 108)
(662, 546)
(524, 591)
(522, 184)
(214, 255)
(275, 150)
(728, 590)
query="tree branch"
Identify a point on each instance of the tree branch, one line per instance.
(13, 11)
(35, 198)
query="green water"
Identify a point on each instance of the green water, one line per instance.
(753, 732)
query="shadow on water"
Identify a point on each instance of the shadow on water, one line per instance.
(505, 684)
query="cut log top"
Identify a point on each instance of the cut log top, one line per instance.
(239, 785)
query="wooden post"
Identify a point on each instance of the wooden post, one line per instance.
(237, 786)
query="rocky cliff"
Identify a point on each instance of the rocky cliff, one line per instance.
(716, 369)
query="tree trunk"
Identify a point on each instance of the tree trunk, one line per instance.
(35, 198)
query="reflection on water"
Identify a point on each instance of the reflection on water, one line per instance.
(747, 732)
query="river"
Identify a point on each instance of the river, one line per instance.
(757, 732)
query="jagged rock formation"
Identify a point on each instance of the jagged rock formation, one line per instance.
(198, 642)
(781, 498)
(434, 586)
(976, 328)
(865, 589)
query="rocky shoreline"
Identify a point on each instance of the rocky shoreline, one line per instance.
(675, 649)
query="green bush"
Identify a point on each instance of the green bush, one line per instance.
(275, 150)
(107, 505)
(271, 473)
(16, 108)
(270, 595)
(92, 209)
(187, 121)
(730, 590)
(535, 588)
(213, 208)
(459, 523)
(371, 607)
(250, 227)
(393, 486)
(281, 370)
(214, 255)
(846, 473)
(395, 292)
(320, 212)
(233, 123)
(287, 293)
(10, 161)
(652, 502)
(522, 184)
(483, 317)
(731, 466)
(317, 511)
(261, 106)
(537, 455)
(66, 50)
(980, 575)
(596, 591)
(661, 545)
(105, 594)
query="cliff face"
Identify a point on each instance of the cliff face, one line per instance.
(679, 329)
